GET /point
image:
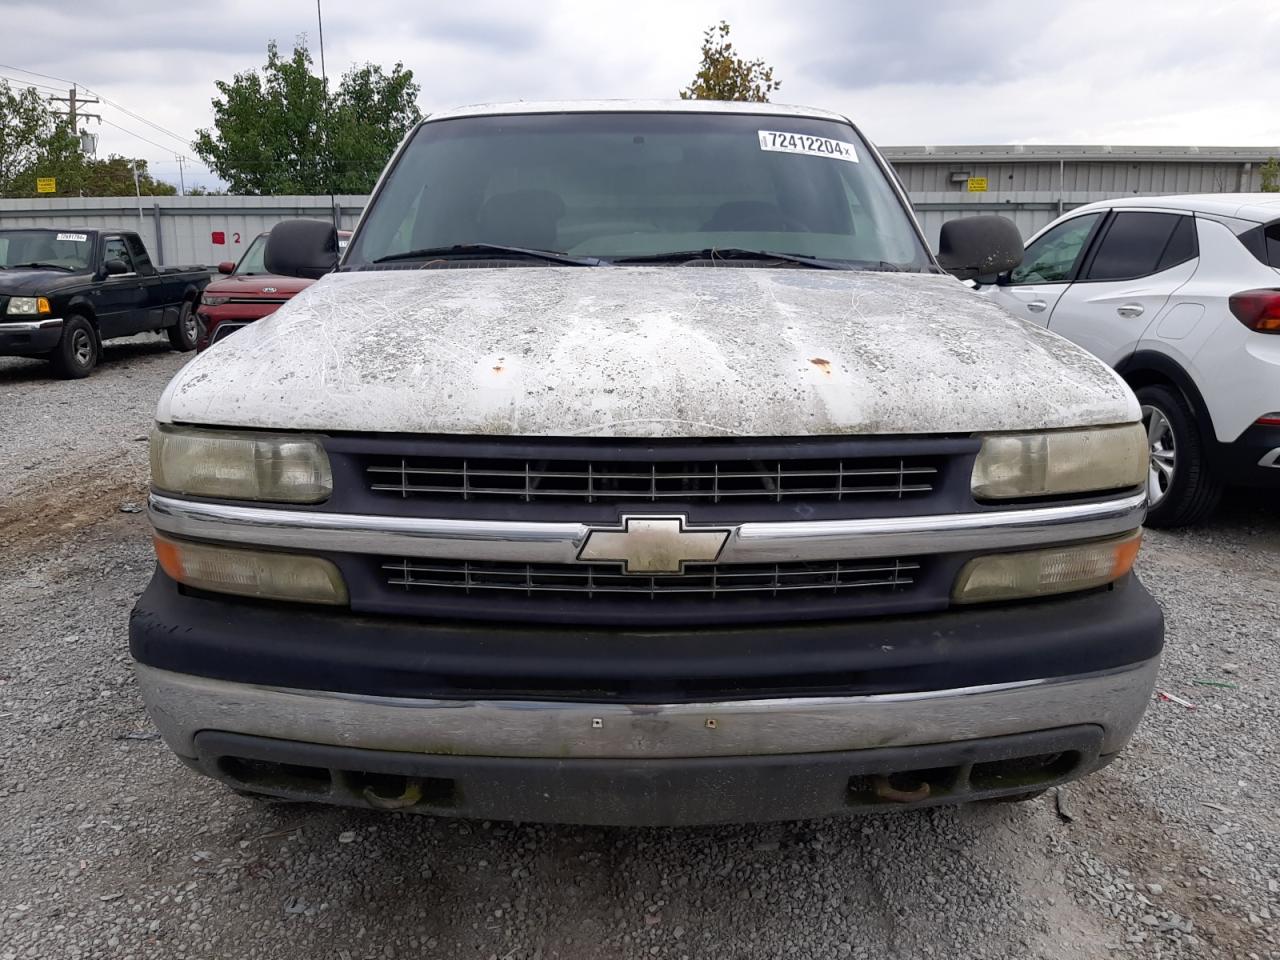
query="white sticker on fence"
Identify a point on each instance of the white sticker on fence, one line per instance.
(77, 237)
(803, 143)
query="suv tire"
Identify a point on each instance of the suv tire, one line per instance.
(1181, 487)
(182, 335)
(78, 351)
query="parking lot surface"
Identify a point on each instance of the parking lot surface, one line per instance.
(112, 849)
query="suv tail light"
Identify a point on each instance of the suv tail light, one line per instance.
(1258, 309)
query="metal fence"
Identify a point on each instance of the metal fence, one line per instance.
(206, 230)
(1031, 185)
(181, 230)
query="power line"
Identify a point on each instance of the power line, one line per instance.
(137, 135)
(107, 100)
(32, 84)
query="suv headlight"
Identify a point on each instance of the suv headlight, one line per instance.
(239, 466)
(27, 306)
(1023, 465)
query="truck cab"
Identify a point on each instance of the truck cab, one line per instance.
(64, 291)
(638, 463)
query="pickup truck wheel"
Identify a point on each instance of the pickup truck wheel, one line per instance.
(77, 352)
(182, 335)
(1181, 488)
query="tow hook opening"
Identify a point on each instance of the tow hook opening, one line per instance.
(276, 777)
(968, 781)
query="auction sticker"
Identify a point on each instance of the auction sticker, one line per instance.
(803, 143)
(77, 237)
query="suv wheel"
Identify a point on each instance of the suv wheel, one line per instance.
(77, 352)
(182, 335)
(1181, 488)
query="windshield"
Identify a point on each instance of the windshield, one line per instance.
(621, 185)
(48, 248)
(252, 262)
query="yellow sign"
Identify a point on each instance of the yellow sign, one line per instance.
(46, 184)
(977, 184)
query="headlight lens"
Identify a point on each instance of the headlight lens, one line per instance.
(213, 301)
(1041, 573)
(1067, 461)
(239, 466)
(252, 573)
(28, 306)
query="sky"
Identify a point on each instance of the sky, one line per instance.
(909, 72)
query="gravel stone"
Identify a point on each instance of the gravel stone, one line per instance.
(113, 849)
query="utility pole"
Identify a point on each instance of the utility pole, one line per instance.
(182, 180)
(138, 192)
(73, 114)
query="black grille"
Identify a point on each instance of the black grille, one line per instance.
(606, 582)
(707, 481)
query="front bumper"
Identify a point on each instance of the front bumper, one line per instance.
(215, 323)
(655, 764)
(30, 338)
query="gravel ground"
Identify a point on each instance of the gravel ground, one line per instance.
(112, 849)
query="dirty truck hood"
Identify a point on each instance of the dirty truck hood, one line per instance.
(644, 352)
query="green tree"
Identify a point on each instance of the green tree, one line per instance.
(281, 132)
(33, 143)
(370, 114)
(113, 177)
(724, 75)
(1270, 172)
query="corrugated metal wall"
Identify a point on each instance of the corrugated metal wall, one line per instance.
(1114, 178)
(180, 230)
(1031, 192)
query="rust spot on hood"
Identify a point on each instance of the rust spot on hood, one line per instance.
(821, 364)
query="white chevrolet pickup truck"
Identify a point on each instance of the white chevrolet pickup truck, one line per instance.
(638, 463)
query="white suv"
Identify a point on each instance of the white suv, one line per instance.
(1181, 295)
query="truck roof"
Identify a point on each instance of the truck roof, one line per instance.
(634, 106)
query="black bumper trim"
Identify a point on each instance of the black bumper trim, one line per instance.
(299, 647)
(1239, 462)
(677, 792)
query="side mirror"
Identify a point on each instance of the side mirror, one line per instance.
(979, 248)
(301, 248)
(226, 266)
(115, 267)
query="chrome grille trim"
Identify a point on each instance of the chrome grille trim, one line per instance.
(534, 542)
(611, 481)
(707, 581)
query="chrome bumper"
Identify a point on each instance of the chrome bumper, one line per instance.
(530, 542)
(182, 706)
(31, 326)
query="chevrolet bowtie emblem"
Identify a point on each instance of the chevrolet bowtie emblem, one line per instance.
(654, 545)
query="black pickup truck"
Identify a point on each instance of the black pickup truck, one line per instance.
(64, 291)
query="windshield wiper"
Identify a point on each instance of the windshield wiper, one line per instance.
(468, 249)
(740, 253)
(39, 266)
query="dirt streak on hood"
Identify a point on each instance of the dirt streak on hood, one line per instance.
(645, 352)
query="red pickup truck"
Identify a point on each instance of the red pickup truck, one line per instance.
(247, 294)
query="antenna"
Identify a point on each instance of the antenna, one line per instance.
(328, 159)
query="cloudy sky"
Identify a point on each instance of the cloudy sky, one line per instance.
(908, 71)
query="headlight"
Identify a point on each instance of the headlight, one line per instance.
(252, 573)
(213, 301)
(239, 466)
(1066, 461)
(28, 306)
(1040, 573)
